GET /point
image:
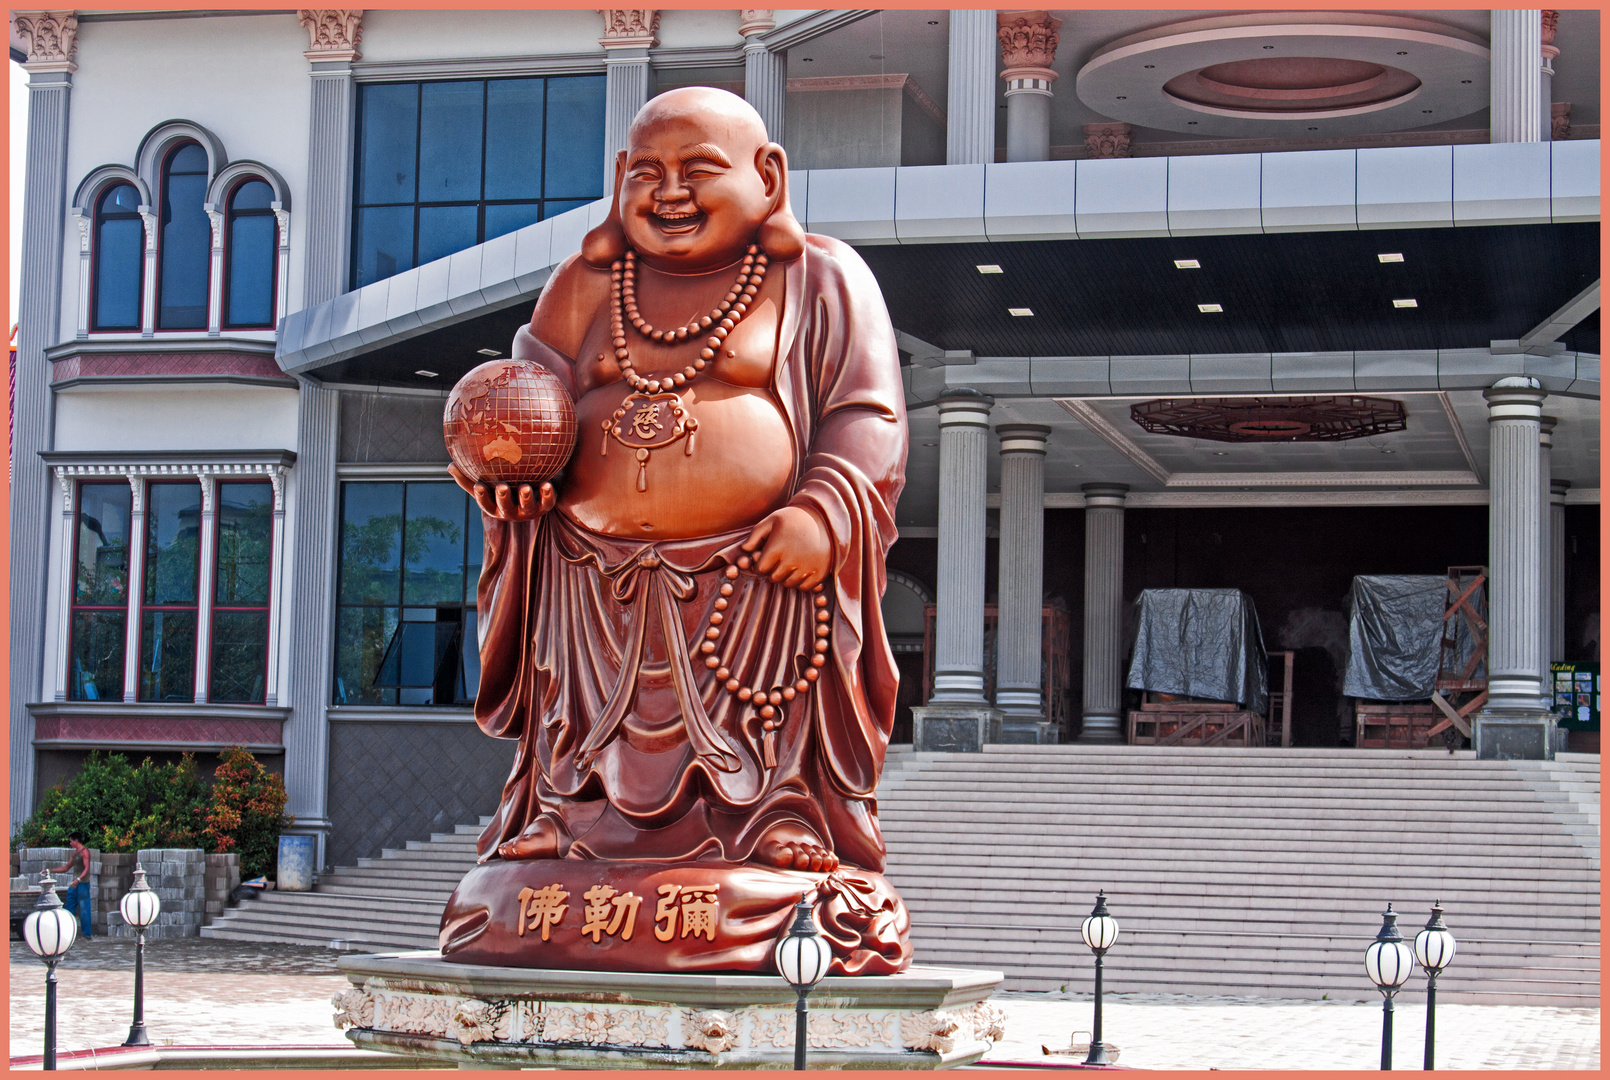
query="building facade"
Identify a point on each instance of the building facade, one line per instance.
(259, 248)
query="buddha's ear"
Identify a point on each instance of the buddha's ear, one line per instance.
(781, 236)
(603, 245)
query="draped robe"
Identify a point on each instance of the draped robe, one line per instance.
(589, 642)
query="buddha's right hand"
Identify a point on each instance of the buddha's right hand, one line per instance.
(507, 503)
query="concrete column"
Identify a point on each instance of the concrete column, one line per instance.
(1018, 648)
(1517, 104)
(1550, 23)
(307, 747)
(957, 716)
(1104, 614)
(50, 67)
(628, 79)
(334, 36)
(1545, 559)
(1556, 582)
(1028, 49)
(765, 72)
(1513, 725)
(970, 101)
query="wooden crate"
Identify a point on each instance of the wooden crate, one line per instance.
(1163, 720)
(1394, 725)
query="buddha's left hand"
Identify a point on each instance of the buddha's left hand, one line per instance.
(798, 551)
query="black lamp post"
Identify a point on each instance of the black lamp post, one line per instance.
(140, 907)
(50, 931)
(1389, 963)
(1433, 948)
(802, 958)
(1099, 931)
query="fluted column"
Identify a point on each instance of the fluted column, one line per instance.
(629, 33)
(1028, 42)
(1517, 105)
(1545, 559)
(1556, 582)
(1549, 24)
(307, 740)
(1513, 725)
(970, 101)
(765, 72)
(1018, 648)
(50, 66)
(1104, 615)
(333, 37)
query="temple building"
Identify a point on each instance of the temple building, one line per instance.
(1186, 300)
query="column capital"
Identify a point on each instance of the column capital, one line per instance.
(1023, 438)
(965, 406)
(1107, 140)
(332, 34)
(1557, 490)
(1519, 397)
(51, 37)
(1028, 40)
(1545, 430)
(630, 28)
(1104, 495)
(753, 21)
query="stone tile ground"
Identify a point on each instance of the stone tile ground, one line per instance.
(200, 991)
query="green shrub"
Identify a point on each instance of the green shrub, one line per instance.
(247, 812)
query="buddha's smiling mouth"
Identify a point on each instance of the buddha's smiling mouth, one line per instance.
(680, 221)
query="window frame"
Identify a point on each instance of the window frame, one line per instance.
(267, 606)
(70, 571)
(164, 172)
(228, 243)
(92, 300)
(356, 205)
(194, 607)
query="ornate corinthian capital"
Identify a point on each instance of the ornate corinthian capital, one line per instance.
(332, 35)
(755, 20)
(1551, 23)
(1107, 140)
(628, 28)
(51, 36)
(1028, 39)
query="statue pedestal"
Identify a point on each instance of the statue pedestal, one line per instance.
(496, 1017)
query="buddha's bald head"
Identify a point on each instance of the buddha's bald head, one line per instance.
(726, 119)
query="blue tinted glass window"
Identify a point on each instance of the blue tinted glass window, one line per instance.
(388, 143)
(506, 217)
(555, 207)
(241, 577)
(574, 158)
(444, 230)
(100, 592)
(384, 245)
(185, 242)
(251, 248)
(119, 260)
(450, 116)
(514, 139)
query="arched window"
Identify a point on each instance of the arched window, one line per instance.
(249, 256)
(119, 259)
(184, 249)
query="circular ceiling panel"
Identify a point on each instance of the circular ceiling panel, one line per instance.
(1271, 419)
(1291, 74)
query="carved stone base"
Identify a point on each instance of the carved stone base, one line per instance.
(955, 727)
(490, 1017)
(1518, 734)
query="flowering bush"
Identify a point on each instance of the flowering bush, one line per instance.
(247, 813)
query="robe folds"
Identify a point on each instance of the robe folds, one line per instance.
(589, 643)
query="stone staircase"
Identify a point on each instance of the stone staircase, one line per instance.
(1231, 871)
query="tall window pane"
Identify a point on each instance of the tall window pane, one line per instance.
(185, 241)
(168, 608)
(444, 230)
(506, 217)
(405, 616)
(514, 139)
(388, 143)
(250, 247)
(450, 116)
(574, 157)
(384, 244)
(100, 592)
(119, 259)
(238, 661)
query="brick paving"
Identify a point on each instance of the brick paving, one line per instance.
(200, 991)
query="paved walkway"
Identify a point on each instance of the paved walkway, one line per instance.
(200, 991)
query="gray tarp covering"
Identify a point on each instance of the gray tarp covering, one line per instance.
(1394, 637)
(1203, 643)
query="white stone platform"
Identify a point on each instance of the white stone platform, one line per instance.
(485, 1017)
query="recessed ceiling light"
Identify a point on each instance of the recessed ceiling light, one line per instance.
(1187, 264)
(1405, 303)
(1313, 129)
(1426, 111)
(1150, 66)
(989, 268)
(1401, 53)
(1020, 311)
(1268, 46)
(1190, 123)
(1123, 97)
(1220, 453)
(933, 22)
(1465, 82)
(809, 59)
(1208, 309)
(930, 444)
(427, 374)
(1385, 450)
(877, 56)
(490, 352)
(1390, 256)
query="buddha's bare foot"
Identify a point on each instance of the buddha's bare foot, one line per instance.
(792, 847)
(542, 839)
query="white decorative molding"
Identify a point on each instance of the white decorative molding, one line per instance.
(52, 38)
(630, 28)
(1361, 478)
(889, 81)
(215, 279)
(332, 35)
(1087, 415)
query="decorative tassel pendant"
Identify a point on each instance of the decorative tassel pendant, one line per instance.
(642, 470)
(768, 748)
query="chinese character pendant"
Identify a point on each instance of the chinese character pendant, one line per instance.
(646, 422)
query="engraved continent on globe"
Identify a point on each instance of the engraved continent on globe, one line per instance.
(509, 422)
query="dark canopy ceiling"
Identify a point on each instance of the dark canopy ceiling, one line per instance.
(1297, 292)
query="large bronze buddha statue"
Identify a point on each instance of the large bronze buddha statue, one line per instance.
(683, 631)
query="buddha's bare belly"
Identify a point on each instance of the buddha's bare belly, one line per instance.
(740, 469)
